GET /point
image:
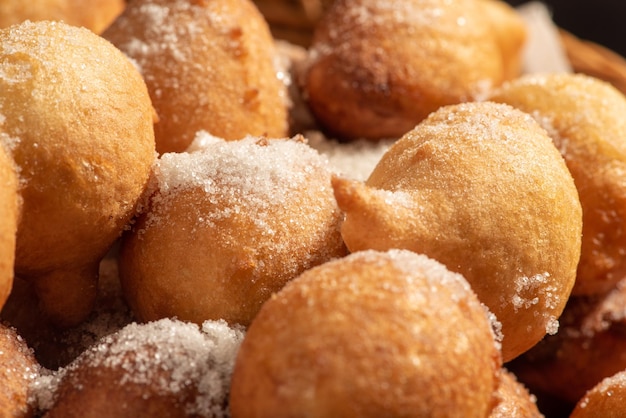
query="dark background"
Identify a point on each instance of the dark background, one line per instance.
(600, 21)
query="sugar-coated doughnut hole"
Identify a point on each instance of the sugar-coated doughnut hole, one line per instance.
(377, 68)
(371, 334)
(481, 188)
(228, 225)
(166, 368)
(208, 66)
(77, 119)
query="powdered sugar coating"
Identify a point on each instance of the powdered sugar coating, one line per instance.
(165, 357)
(355, 159)
(252, 175)
(242, 218)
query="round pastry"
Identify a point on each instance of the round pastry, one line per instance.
(208, 66)
(514, 400)
(227, 226)
(9, 213)
(372, 334)
(18, 369)
(585, 118)
(95, 15)
(379, 67)
(481, 188)
(77, 118)
(590, 346)
(167, 368)
(605, 400)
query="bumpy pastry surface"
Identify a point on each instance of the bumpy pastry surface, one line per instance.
(481, 188)
(77, 119)
(585, 118)
(165, 368)
(514, 400)
(372, 334)
(379, 67)
(228, 225)
(9, 214)
(208, 66)
(18, 369)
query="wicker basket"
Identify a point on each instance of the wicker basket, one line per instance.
(294, 20)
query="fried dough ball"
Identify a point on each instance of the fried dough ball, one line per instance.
(377, 68)
(9, 214)
(590, 346)
(605, 400)
(372, 334)
(166, 368)
(227, 226)
(95, 15)
(585, 118)
(514, 400)
(18, 368)
(208, 66)
(77, 118)
(481, 188)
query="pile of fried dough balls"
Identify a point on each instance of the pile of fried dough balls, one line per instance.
(173, 246)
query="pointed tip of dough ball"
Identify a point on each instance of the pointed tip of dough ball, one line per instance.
(481, 188)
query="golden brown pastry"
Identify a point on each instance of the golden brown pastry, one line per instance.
(166, 368)
(95, 15)
(372, 334)
(9, 214)
(590, 346)
(208, 66)
(78, 121)
(605, 400)
(481, 188)
(227, 226)
(18, 369)
(585, 118)
(379, 67)
(514, 400)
